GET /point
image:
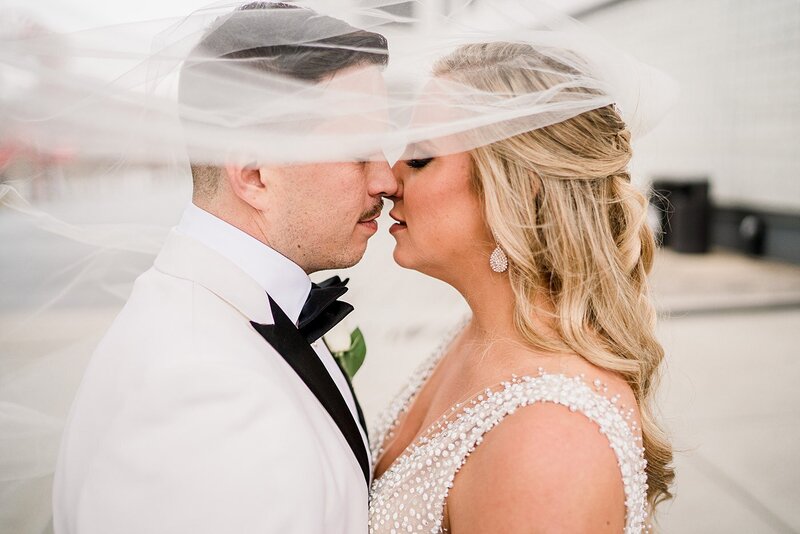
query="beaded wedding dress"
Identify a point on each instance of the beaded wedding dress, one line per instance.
(411, 495)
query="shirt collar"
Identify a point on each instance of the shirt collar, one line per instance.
(284, 280)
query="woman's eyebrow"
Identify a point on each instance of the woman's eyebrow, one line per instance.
(418, 149)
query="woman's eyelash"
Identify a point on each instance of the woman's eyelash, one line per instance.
(418, 163)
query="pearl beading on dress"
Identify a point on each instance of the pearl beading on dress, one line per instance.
(384, 427)
(410, 496)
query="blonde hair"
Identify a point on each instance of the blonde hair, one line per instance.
(560, 202)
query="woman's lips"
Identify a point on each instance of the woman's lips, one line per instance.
(397, 227)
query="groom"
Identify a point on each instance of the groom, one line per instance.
(212, 405)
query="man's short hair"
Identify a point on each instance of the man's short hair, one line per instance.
(235, 36)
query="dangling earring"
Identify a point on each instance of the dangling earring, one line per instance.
(498, 261)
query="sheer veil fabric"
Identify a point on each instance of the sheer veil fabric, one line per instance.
(151, 93)
(98, 129)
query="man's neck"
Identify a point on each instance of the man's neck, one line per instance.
(278, 275)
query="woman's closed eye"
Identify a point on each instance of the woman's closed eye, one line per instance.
(418, 163)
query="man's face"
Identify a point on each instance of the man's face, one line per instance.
(321, 215)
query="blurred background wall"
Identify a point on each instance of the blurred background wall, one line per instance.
(737, 122)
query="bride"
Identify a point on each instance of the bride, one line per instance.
(537, 416)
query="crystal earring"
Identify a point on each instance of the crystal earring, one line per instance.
(498, 261)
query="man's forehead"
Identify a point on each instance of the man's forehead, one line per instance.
(353, 112)
(366, 79)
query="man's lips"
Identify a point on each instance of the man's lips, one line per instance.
(370, 224)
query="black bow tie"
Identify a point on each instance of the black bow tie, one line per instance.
(322, 311)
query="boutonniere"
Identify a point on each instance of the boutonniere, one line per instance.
(349, 349)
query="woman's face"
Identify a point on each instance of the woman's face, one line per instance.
(440, 228)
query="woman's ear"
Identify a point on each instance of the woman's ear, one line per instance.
(246, 183)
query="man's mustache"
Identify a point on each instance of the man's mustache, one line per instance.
(373, 212)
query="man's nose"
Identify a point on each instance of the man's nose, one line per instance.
(382, 180)
(397, 172)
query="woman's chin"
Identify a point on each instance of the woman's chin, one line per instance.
(400, 258)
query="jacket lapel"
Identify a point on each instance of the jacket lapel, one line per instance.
(286, 339)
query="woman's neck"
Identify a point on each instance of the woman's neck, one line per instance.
(491, 300)
(493, 304)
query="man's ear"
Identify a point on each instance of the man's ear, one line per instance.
(246, 183)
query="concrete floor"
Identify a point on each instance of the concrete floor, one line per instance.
(731, 401)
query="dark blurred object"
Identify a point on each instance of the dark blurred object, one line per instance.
(757, 231)
(751, 234)
(740, 229)
(684, 214)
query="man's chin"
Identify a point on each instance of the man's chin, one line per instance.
(346, 264)
(349, 256)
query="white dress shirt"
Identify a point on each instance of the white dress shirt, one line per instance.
(281, 278)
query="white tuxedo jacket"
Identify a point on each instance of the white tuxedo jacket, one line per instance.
(188, 421)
